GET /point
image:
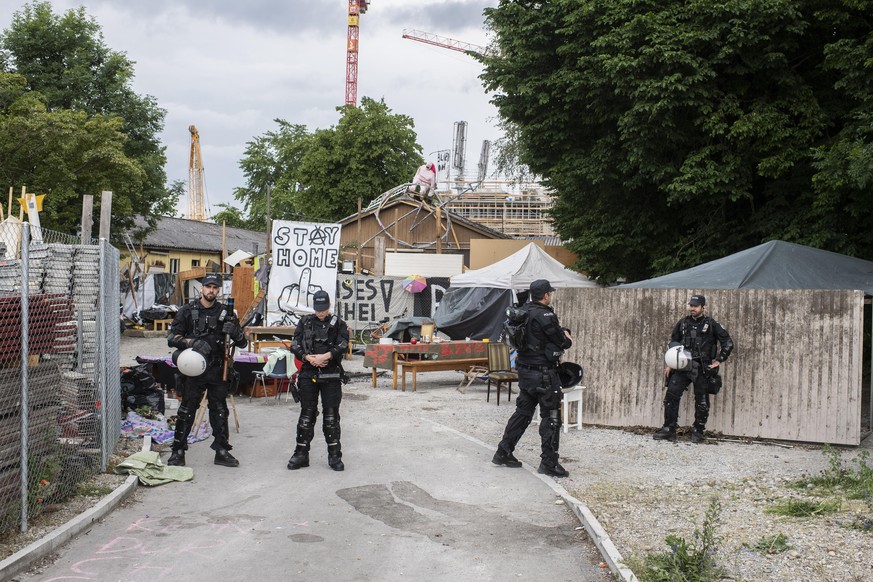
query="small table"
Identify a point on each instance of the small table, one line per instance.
(392, 356)
(573, 394)
(259, 335)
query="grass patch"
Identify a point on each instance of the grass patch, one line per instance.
(693, 561)
(772, 544)
(805, 507)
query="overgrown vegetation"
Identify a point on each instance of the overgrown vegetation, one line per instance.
(839, 480)
(693, 561)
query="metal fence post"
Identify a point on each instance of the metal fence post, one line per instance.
(25, 334)
(100, 342)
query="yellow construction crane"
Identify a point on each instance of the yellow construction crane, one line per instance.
(196, 180)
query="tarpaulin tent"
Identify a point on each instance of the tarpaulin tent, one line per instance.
(475, 304)
(772, 265)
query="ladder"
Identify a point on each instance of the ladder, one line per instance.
(131, 249)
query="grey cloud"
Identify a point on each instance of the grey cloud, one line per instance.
(289, 16)
(440, 17)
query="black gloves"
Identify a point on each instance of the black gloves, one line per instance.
(202, 347)
(235, 332)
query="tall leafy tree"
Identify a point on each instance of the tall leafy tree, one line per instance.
(61, 152)
(320, 175)
(675, 132)
(64, 59)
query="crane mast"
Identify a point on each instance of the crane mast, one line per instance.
(196, 181)
(356, 8)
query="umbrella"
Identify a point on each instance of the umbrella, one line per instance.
(414, 283)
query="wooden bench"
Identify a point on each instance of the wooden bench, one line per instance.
(162, 324)
(416, 366)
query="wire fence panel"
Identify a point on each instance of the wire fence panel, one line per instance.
(59, 382)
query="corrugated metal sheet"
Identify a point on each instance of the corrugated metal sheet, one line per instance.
(795, 373)
(183, 234)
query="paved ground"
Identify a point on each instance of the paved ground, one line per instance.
(417, 501)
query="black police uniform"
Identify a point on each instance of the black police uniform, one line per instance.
(316, 336)
(702, 337)
(204, 326)
(538, 383)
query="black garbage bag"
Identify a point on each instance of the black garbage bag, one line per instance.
(138, 389)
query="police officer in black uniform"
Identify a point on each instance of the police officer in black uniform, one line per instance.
(538, 383)
(204, 325)
(710, 345)
(320, 342)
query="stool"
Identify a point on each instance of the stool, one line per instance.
(162, 324)
(572, 395)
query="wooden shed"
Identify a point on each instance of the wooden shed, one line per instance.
(407, 224)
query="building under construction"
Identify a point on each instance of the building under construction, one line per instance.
(518, 211)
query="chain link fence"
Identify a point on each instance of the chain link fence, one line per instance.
(60, 403)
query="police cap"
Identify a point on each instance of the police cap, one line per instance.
(321, 301)
(539, 288)
(211, 279)
(697, 300)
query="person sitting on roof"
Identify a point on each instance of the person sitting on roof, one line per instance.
(424, 181)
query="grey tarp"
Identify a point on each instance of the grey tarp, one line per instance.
(772, 265)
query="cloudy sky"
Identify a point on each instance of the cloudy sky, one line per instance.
(231, 67)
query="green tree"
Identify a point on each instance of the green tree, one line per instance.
(64, 58)
(320, 175)
(231, 216)
(60, 152)
(675, 132)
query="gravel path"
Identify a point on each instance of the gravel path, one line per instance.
(642, 490)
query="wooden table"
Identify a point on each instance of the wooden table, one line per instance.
(447, 355)
(262, 336)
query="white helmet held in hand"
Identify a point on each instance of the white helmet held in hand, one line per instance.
(191, 363)
(678, 358)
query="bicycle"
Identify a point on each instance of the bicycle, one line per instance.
(375, 331)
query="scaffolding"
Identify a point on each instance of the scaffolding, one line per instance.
(516, 210)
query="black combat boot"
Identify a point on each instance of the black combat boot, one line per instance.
(555, 470)
(335, 458)
(224, 458)
(697, 435)
(177, 458)
(299, 459)
(665, 434)
(505, 459)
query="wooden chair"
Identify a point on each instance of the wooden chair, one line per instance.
(499, 370)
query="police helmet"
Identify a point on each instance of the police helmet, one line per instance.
(570, 374)
(678, 358)
(191, 363)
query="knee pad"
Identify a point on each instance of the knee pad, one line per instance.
(331, 417)
(186, 414)
(307, 418)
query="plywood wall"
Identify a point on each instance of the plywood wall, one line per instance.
(795, 373)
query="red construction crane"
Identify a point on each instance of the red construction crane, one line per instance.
(444, 42)
(356, 8)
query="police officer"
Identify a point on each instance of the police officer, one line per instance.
(320, 342)
(710, 345)
(538, 383)
(203, 325)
